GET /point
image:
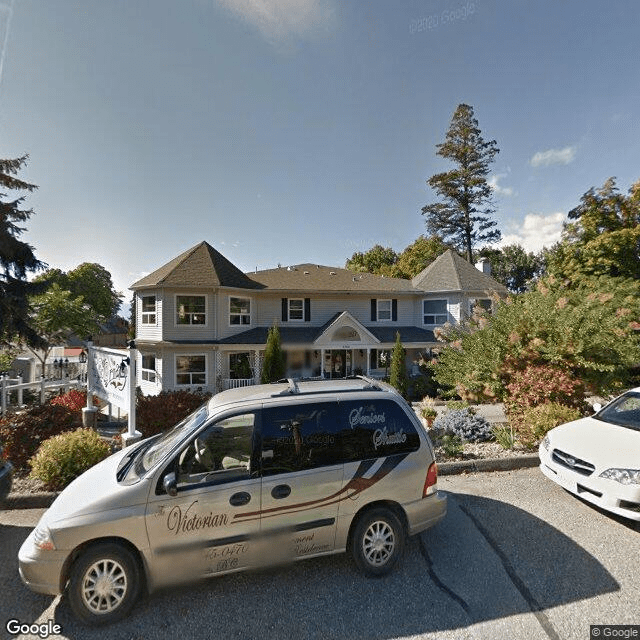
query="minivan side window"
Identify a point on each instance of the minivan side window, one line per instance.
(297, 437)
(220, 453)
(375, 428)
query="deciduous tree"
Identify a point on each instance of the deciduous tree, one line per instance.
(463, 215)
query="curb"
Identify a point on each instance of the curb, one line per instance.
(488, 464)
(43, 500)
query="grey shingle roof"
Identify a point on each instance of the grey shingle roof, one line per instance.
(313, 277)
(450, 272)
(201, 267)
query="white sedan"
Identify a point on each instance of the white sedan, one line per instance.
(598, 458)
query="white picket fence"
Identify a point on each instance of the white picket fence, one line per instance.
(13, 388)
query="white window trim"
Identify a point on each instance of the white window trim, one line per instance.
(390, 318)
(149, 372)
(190, 355)
(191, 295)
(251, 311)
(289, 318)
(423, 314)
(148, 313)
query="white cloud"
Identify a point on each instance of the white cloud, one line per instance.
(279, 19)
(497, 189)
(536, 232)
(553, 156)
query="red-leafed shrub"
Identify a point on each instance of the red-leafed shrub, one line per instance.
(74, 400)
(155, 414)
(22, 433)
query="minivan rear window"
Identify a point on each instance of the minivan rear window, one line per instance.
(375, 428)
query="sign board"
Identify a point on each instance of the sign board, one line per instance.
(109, 376)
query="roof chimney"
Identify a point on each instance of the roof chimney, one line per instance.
(484, 265)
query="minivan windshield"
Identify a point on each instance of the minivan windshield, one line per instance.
(624, 411)
(167, 441)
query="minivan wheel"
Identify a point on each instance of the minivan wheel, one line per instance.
(104, 584)
(377, 541)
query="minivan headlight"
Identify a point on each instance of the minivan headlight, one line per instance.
(42, 538)
(623, 476)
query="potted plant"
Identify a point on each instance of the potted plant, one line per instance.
(428, 411)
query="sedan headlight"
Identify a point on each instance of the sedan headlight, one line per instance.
(623, 476)
(546, 443)
(42, 538)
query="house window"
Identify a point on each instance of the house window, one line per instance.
(384, 310)
(148, 372)
(240, 366)
(191, 370)
(148, 309)
(380, 358)
(296, 309)
(434, 311)
(239, 311)
(482, 303)
(191, 310)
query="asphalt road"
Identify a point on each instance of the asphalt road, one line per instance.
(516, 557)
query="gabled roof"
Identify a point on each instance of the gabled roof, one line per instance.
(450, 272)
(314, 277)
(201, 267)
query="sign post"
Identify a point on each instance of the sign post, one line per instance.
(89, 413)
(111, 375)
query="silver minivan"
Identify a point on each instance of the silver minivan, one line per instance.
(256, 476)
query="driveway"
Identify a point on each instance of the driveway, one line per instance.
(516, 557)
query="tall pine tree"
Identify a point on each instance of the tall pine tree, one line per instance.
(273, 365)
(16, 259)
(463, 216)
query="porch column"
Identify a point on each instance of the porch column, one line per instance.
(368, 361)
(257, 366)
(217, 383)
(322, 363)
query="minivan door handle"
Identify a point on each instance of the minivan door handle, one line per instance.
(280, 491)
(239, 499)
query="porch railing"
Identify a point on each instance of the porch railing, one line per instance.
(235, 383)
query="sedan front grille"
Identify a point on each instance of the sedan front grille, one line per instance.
(568, 461)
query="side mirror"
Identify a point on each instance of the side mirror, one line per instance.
(597, 406)
(170, 484)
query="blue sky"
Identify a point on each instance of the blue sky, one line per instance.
(287, 131)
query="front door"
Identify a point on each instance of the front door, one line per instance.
(302, 477)
(197, 532)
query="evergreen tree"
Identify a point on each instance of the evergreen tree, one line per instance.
(17, 259)
(463, 217)
(273, 367)
(398, 374)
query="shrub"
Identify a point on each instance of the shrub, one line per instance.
(504, 435)
(464, 424)
(459, 405)
(536, 421)
(74, 400)
(452, 445)
(22, 433)
(155, 414)
(64, 457)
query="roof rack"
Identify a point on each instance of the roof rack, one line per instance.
(294, 389)
(291, 389)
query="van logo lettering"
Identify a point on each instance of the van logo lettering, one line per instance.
(356, 418)
(184, 522)
(382, 438)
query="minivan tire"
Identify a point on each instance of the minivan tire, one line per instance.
(103, 584)
(377, 541)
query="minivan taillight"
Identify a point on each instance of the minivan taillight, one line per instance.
(431, 481)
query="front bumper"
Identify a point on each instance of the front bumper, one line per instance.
(40, 570)
(623, 500)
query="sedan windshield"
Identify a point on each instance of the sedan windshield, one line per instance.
(167, 441)
(623, 411)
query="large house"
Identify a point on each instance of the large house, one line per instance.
(203, 323)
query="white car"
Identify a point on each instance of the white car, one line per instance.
(598, 458)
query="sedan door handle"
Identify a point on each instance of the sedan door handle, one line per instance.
(239, 499)
(280, 491)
